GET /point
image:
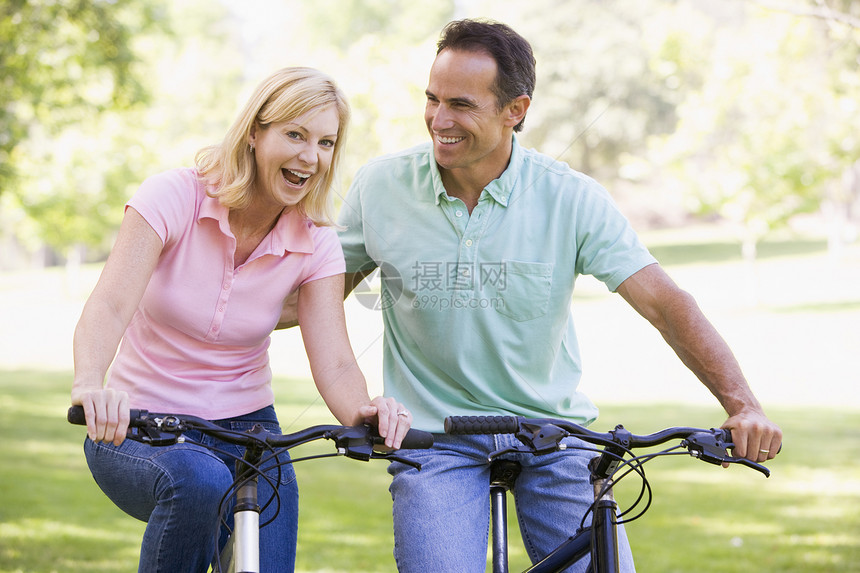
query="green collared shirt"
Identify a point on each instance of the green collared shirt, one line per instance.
(476, 307)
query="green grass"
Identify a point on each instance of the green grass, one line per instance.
(704, 518)
(730, 251)
(797, 342)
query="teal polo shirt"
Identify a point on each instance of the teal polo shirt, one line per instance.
(477, 307)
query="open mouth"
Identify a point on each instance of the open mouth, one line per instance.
(294, 177)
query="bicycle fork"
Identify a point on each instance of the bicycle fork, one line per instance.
(605, 528)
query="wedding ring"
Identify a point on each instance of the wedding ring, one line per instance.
(765, 451)
(403, 413)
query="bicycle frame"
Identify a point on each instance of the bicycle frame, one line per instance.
(603, 533)
(542, 436)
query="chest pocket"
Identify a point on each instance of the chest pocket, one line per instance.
(523, 290)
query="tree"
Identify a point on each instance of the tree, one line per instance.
(609, 79)
(62, 62)
(102, 104)
(769, 132)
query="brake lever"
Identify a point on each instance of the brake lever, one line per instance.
(358, 443)
(511, 450)
(396, 458)
(155, 431)
(712, 448)
(354, 442)
(541, 439)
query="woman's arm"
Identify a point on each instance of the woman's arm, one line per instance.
(103, 322)
(289, 314)
(697, 343)
(333, 364)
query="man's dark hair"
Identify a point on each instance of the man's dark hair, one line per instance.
(515, 62)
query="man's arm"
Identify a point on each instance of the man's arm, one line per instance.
(289, 314)
(697, 343)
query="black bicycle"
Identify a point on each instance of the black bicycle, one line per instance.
(599, 540)
(262, 448)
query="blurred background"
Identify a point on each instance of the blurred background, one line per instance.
(728, 132)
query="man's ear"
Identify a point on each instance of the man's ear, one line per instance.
(515, 111)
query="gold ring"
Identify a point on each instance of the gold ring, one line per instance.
(765, 451)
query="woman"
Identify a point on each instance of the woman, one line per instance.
(196, 282)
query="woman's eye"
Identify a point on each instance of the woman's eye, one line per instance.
(294, 135)
(327, 142)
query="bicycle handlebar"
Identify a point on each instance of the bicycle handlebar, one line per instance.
(164, 429)
(543, 435)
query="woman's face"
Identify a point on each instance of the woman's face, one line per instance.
(291, 154)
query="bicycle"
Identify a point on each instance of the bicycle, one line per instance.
(599, 540)
(241, 554)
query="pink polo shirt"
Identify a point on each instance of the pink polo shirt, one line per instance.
(198, 343)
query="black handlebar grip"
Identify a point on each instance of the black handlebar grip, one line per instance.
(76, 415)
(416, 440)
(481, 425)
(727, 438)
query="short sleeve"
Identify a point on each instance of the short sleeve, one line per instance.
(166, 202)
(352, 233)
(608, 247)
(327, 258)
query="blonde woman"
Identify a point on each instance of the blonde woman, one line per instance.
(182, 313)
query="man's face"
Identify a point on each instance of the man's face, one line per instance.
(462, 112)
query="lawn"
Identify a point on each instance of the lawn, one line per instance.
(793, 319)
(805, 518)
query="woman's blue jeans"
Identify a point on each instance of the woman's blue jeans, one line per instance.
(177, 490)
(442, 513)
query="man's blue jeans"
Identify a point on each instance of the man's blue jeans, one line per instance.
(442, 513)
(177, 490)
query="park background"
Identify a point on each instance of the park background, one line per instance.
(727, 132)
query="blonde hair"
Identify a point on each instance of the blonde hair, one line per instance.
(230, 168)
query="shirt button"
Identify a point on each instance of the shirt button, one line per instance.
(468, 242)
(459, 213)
(465, 272)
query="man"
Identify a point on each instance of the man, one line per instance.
(479, 243)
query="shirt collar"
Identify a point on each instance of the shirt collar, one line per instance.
(500, 189)
(291, 234)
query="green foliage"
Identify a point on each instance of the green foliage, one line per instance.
(395, 21)
(757, 144)
(608, 78)
(723, 109)
(93, 130)
(64, 61)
